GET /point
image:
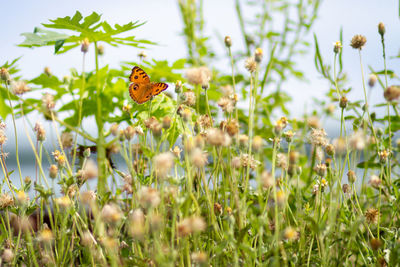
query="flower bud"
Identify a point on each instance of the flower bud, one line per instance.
(343, 102)
(178, 87)
(85, 45)
(381, 28)
(228, 41)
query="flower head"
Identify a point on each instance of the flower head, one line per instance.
(163, 163)
(199, 76)
(358, 41)
(19, 87)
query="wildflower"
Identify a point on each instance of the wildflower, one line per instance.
(358, 41)
(320, 169)
(89, 170)
(330, 109)
(154, 126)
(48, 101)
(198, 76)
(228, 41)
(3, 137)
(227, 104)
(314, 122)
(198, 158)
(315, 189)
(375, 244)
(111, 213)
(19, 87)
(236, 163)
(114, 129)
(127, 108)
(294, 157)
(280, 197)
(267, 181)
(85, 45)
(372, 80)
(67, 139)
(59, 158)
(40, 132)
(281, 161)
(258, 55)
(343, 102)
(340, 145)
(186, 114)
(148, 197)
(5, 75)
(346, 188)
(232, 127)
(136, 226)
(318, 137)
(87, 239)
(337, 46)
(217, 137)
(64, 202)
(381, 28)
(227, 90)
(288, 135)
(191, 225)
(375, 181)
(46, 236)
(178, 87)
(6, 201)
(383, 155)
(243, 140)
(392, 93)
(351, 176)
(199, 257)
(357, 140)
(372, 215)
(251, 64)
(100, 50)
(205, 122)
(217, 208)
(290, 234)
(142, 55)
(163, 163)
(21, 197)
(53, 171)
(166, 122)
(249, 161)
(8, 255)
(88, 197)
(139, 130)
(129, 132)
(257, 143)
(176, 151)
(330, 150)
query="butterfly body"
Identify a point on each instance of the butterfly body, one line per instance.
(141, 89)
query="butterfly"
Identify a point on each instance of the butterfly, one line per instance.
(141, 89)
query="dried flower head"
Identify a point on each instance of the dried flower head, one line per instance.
(372, 215)
(19, 87)
(314, 122)
(199, 76)
(249, 161)
(100, 49)
(148, 197)
(318, 137)
(217, 137)
(40, 132)
(166, 122)
(8, 255)
(281, 161)
(63, 202)
(290, 234)
(199, 257)
(46, 236)
(372, 80)
(257, 143)
(178, 87)
(383, 155)
(320, 169)
(59, 158)
(6, 201)
(48, 101)
(258, 55)
(375, 181)
(227, 104)
(267, 181)
(88, 197)
(3, 137)
(67, 140)
(111, 213)
(89, 170)
(358, 41)
(198, 157)
(346, 188)
(357, 140)
(251, 64)
(163, 163)
(191, 225)
(204, 122)
(243, 140)
(392, 93)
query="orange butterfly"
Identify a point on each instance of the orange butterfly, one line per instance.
(141, 89)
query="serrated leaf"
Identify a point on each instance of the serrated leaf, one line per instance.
(41, 37)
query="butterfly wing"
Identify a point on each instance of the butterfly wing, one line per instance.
(139, 76)
(157, 88)
(139, 92)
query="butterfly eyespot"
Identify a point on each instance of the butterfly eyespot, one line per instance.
(136, 77)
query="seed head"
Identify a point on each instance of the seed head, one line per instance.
(320, 169)
(281, 161)
(228, 41)
(358, 41)
(199, 257)
(357, 140)
(177, 152)
(148, 197)
(217, 137)
(343, 102)
(19, 87)
(314, 122)
(166, 122)
(249, 161)
(267, 181)
(163, 163)
(381, 29)
(199, 76)
(227, 104)
(392, 93)
(198, 158)
(257, 143)
(6, 201)
(232, 127)
(191, 225)
(243, 140)
(204, 122)
(189, 98)
(372, 215)
(375, 181)
(48, 101)
(63, 202)
(318, 137)
(8, 255)
(251, 64)
(67, 140)
(89, 170)
(111, 213)
(88, 197)
(46, 236)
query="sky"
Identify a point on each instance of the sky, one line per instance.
(164, 26)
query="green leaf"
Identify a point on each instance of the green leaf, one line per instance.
(41, 37)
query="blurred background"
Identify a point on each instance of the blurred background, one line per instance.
(164, 26)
